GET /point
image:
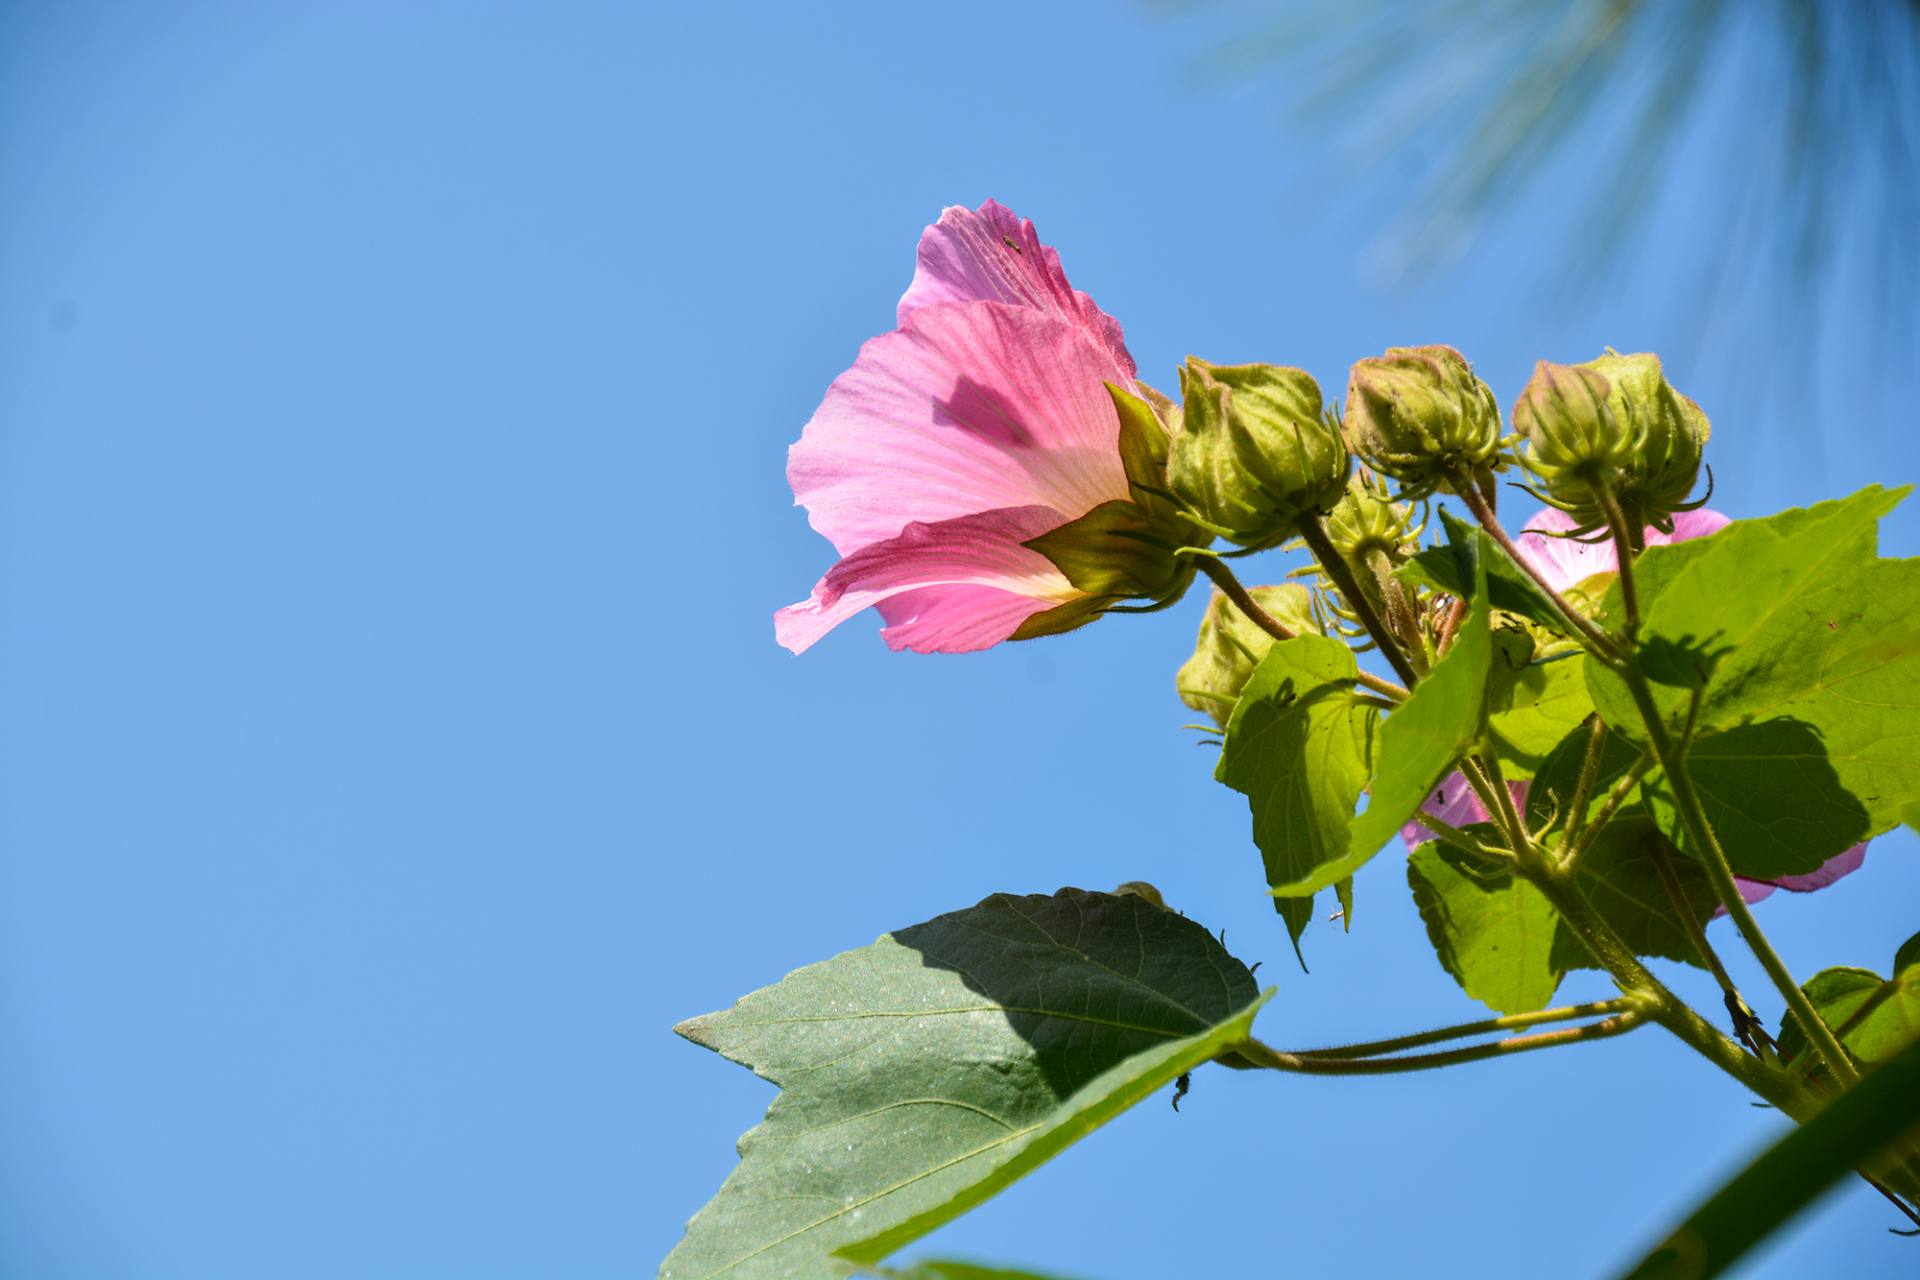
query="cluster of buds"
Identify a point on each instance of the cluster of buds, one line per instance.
(1612, 427)
(1255, 454)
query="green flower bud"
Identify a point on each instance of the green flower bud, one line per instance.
(1366, 521)
(1230, 646)
(1419, 415)
(1253, 454)
(1576, 443)
(1671, 430)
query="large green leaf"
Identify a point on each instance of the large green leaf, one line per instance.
(1854, 1129)
(924, 1073)
(1298, 746)
(1493, 931)
(1772, 796)
(1425, 737)
(1809, 646)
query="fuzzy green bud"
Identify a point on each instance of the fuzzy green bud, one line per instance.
(1254, 454)
(1230, 646)
(1366, 522)
(1576, 443)
(1419, 415)
(1671, 432)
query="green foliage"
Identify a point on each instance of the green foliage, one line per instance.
(1298, 747)
(1508, 948)
(1875, 1017)
(946, 1269)
(1493, 931)
(924, 1073)
(1807, 648)
(1230, 646)
(1620, 878)
(1855, 1128)
(1535, 707)
(1426, 735)
(1450, 569)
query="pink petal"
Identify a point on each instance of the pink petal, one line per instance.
(969, 407)
(1841, 864)
(1454, 803)
(1689, 525)
(1566, 562)
(994, 255)
(955, 619)
(926, 562)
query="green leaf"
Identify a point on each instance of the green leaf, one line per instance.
(1493, 931)
(1536, 708)
(1230, 646)
(1452, 569)
(1298, 747)
(1908, 955)
(1811, 649)
(947, 1269)
(1875, 1017)
(1772, 796)
(1423, 738)
(1620, 878)
(1855, 1128)
(1558, 776)
(924, 1073)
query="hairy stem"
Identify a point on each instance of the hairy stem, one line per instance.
(1745, 1025)
(1595, 640)
(1616, 796)
(1707, 849)
(1511, 1022)
(1343, 577)
(1589, 771)
(1623, 542)
(1231, 587)
(1262, 1055)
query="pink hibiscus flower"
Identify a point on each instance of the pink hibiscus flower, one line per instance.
(980, 423)
(1565, 562)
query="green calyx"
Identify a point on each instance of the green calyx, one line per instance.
(1612, 423)
(1230, 646)
(1576, 444)
(1419, 415)
(1254, 454)
(1671, 431)
(1367, 522)
(1128, 549)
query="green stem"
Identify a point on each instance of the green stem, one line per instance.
(1589, 771)
(1623, 539)
(1745, 1025)
(1511, 1022)
(1262, 1055)
(1231, 587)
(1619, 960)
(1616, 796)
(1591, 637)
(1708, 851)
(1336, 568)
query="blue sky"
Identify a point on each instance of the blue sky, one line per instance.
(393, 409)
